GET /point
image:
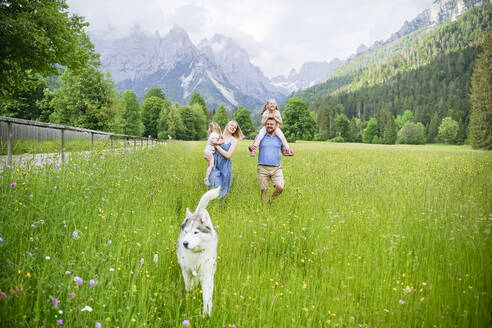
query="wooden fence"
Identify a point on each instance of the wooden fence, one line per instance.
(43, 131)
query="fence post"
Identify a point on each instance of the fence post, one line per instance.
(134, 143)
(111, 137)
(9, 143)
(63, 145)
(92, 140)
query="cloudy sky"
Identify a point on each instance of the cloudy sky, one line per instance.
(277, 34)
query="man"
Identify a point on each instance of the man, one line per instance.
(269, 168)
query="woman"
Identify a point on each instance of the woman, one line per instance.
(221, 174)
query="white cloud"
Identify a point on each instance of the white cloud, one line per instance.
(277, 34)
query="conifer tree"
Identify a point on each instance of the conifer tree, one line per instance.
(481, 98)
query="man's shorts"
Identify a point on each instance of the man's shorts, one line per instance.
(267, 173)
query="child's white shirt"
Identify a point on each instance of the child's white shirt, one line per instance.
(210, 148)
(276, 114)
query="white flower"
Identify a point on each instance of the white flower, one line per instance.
(47, 257)
(401, 301)
(111, 269)
(87, 308)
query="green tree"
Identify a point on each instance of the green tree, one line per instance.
(24, 103)
(37, 37)
(297, 120)
(355, 130)
(197, 99)
(370, 131)
(448, 130)
(389, 132)
(402, 120)
(85, 99)
(175, 127)
(411, 133)
(199, 122)
(155, 92)
(131, 113)
(162, 125)
(221, 117)
(151, 110)
(480, 126)
(433, 128)
(342, 126)
(243, 118)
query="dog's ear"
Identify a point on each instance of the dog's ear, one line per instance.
(188, 212)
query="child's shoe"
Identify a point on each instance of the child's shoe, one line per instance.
(206, 182)
(287, 152)
(252, 150)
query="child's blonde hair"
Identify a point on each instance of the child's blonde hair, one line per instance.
(265, 105)
(214, 127)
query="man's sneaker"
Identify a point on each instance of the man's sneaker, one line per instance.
(206, 182)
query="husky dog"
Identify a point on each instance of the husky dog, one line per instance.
(197, 250)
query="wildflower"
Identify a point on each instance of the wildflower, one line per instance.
(47, 258)
(87, 308)
(30, 254)
(54, 301)
(9, 167)
(156, 257)
(3, 295)
(59, 322)
(31, 196)
(98, 324)
(1, 240)
(75, 234)
(401, 301)
(142, 261)
(186, 323)
(111, 269)
(78, 280)
(92, 282)
(109, 242)
(54, 187)
(13, 184)
(72, 295)
(134, 232)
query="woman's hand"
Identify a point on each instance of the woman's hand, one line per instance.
(207, 157)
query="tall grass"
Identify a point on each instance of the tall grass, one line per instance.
(363, 236)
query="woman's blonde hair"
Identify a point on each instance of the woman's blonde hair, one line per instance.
(213, 127)
(265, 105)
(238, 134)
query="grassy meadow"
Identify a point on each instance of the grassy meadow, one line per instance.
(363, 236)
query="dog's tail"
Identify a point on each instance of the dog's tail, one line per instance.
(208, 196)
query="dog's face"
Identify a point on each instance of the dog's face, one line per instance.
(196, 231)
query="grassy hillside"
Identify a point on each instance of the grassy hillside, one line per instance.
(363, 236)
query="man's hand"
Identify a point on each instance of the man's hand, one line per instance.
(252, 147)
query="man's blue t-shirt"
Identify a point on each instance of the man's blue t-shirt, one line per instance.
(269, 151)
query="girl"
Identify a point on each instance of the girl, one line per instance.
(214, 138)
(270, 109)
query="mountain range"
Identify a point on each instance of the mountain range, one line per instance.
(221, 71)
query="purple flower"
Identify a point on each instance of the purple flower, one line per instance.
(9, 167)
(54, 187)
(98, 324)
(142, 261)
(109, 242)
(1, 240)
(3, 294)
(186, 323)
(54, 301)
(92, 282)
(30, 254)
(59, 322)
(78, 280)
(156, 257)
(13, 184)
(75, 234)
(31, 196)
(72, 295)
(134, 232)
